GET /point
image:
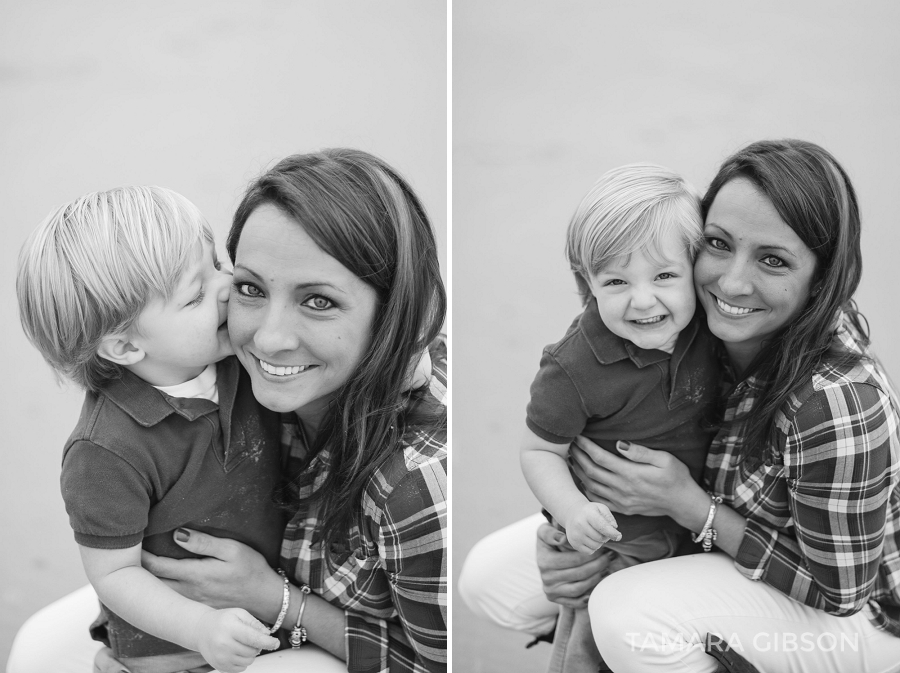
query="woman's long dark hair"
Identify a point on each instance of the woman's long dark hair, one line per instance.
(365, 215)
(814, 197)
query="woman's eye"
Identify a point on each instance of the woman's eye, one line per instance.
(248, 290)
(716, 243)
(773, 261)
(319, 303)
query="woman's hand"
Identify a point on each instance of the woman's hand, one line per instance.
(645, 481)
(568, 576)
(232, 575)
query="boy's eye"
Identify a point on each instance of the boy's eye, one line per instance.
(198, 299)
(666, 275)
(318, 303)
(614, 281)
(248, 290)
(773, 261)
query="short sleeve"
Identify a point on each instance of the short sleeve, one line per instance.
(556, 412)
(106, 498)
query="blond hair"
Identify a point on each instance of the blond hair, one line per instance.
(628, 209)
(91, 267)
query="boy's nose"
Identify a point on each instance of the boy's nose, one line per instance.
(642, 299)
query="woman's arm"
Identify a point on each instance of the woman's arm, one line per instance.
(228, 639)
(412, 542)
(838, 464)
(234, 574)
(653, 483)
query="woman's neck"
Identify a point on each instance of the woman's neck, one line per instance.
(310, 417)
(741, 355)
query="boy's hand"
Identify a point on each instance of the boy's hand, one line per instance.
(230, 639)
(590, 527)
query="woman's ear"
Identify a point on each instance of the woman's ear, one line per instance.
(119, 349)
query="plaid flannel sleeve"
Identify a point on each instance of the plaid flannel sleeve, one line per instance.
(413, 543)
(838, 463)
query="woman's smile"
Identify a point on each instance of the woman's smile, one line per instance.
(732, 310)
(282, 371)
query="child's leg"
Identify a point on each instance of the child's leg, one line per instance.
(574, 650)
(56, 638)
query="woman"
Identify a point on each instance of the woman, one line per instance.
(803, 471)
(337, 296)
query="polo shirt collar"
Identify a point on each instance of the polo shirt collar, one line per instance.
(149, 406)
(608, 347)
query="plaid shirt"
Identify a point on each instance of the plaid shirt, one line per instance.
(392, 582)
(823, 521)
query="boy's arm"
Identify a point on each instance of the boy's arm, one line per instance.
(147, 603)
(588, 525)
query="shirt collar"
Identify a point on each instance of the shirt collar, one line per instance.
(149, 406)
(609, 348)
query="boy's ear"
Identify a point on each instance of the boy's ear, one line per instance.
(117, 348)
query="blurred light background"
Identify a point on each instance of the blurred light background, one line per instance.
(549, 95)
(199, 97)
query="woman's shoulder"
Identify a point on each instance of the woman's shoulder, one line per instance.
(842, 390)
(419, 468)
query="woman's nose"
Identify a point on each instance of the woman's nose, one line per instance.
(276, 331)
(735, 280)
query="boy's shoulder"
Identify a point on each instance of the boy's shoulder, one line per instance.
(588, 339)
(128, 408)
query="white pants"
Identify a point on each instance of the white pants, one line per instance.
(56, 640)
(653, 617)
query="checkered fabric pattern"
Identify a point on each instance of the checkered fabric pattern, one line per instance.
(823, 521)
(392, 580)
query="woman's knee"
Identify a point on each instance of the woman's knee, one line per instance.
(500, 580)
(480, 581)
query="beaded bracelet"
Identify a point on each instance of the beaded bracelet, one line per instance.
(298, 633)
(707, 534)
(285, 601)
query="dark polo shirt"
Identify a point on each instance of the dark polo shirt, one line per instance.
(140, 464)
(597, 384)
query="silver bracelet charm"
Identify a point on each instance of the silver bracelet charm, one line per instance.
(298, 633)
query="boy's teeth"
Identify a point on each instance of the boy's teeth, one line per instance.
(733, 310)
(650, 321)
(282, 371)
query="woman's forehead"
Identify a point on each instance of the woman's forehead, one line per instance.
(276, 248)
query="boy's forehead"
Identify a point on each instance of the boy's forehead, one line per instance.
(653, 256)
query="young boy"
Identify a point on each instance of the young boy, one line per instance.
(122, 293)
(637, 365)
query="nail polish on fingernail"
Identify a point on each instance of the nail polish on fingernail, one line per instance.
(182, 535)
(622, 446)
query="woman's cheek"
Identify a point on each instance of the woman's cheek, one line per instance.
(237, 324)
